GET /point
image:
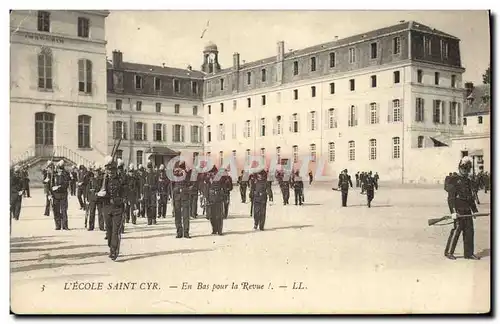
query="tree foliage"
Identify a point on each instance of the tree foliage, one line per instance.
(487, 76)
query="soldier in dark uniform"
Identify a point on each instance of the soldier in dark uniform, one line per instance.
(72, 184)
(370, 188)
(475, 188)
(59, 194)
(181, 191)
(227, 186)
(344, 183)
(81, 182)
(357, 179)
(375, 178)
(112, 192)
(462, 204)
(26, 182)
(140, 175)
(486, 181)
(251, 183)
(298, 187)
(163, 192)
(47, 174)
(269, 187)
(149, 192)
(448, 182)
(243, 183)
(93, 186)
(259, 200)
(193, 210)
(16, 192)
(215, 201)
(284, 183)
(133, 185)
(310, 177)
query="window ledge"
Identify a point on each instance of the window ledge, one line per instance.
(45, 90)
(85, 149)
(81, 93)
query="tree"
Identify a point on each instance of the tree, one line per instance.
(487, 76)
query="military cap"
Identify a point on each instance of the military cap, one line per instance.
(131, 166)
(162, 167)
(60, 164)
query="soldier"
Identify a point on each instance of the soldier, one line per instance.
(251, 184)
(310, 177)
(344, 183)
(375, 178)
(149, 192)
(47, 173)
(215, 201)
(93, 187)
(132, 195)
(243, 183)
(26, 182)
(112, 192)
(163, 192)
(59, 184)
(269, 188)
(81, 182)
(141, 174)
(447, 183)
(486, 180)
(370, 188)
(298, 187)
(259, 200)
(462, 199)
(357, 179)
(180, 192)
(193, 209)
(475, 188)
(284, 184)
(227, 186)
(73, 176)
(16, 192)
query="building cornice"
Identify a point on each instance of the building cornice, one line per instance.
(56, 102)
(135, 96)
(36, 33)
(154, 116)
(102, 13)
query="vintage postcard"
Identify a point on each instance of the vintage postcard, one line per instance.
(250, 162)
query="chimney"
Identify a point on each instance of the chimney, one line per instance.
(280, 55)
(469, 86)
(117, 59)
(236, 61)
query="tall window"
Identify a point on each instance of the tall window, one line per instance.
(194, 87)
(157, 84)
(465, 121)
(295, 94)
(222, 132)
(396, 148)
(453, 81)
(295, 68)
(427, 45)
(313, 125)
(234, 155)
(209, 134)
(453, 113)
(444, 49)
(119, 154)
(437, 112)
(420, 76)
(138, 105)
(249, 77)
(221, 158)
(43, 21)
(373, 79)
(263, 153)
(247, 156)
(353, 119)
(420, 142)
(178, 133)
(374, 119)
(45, 69)
(119, 130)
(279, 125)
(222, 84)
(249, 102)
(278, 154)
(195, 134)
(313, 91)
(177, 86)
(177, 109)
(83, 27)
(396, 110)
(419, 110)
(396, 76)
(195, 110)
(247, 131)
(396, 45)
(209, 109)
(352, 151)
(233, 131)
(221, 107)
(85, 76)
(331, 152)
(262, 127)
(118, 104)
(140, 132)
(235, 104)
(332, 60)
(373, 51)
(294, 125)
(352, 85)
(479, 119)
(138, 82)
(352, 55)
(159, 132)
(332, 88)
(295, 153)
(312, 149)
(332, 119)
(263, 100)
(373, 149)
(263, 75)
(84, 131)
(313, 64)
(436, 78)
(138, 157)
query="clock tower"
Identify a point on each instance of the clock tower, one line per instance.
(210, 59)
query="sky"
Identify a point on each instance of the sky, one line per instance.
(173, 37)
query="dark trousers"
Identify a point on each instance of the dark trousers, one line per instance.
(150, 207)
(450, 203)
(243, 193)
(15, 206)
(81, 200)
(299, 198)
(27, 188)
(344, 198)
(270, 194)
(193, 212)
(357, 183)
(225, 205)
(130, 207)
(113, 216)
(370, 194)
(72, 187)
(60, 207)
(181, 212)
(285, 192)
(142, 208)
(162, 206)
(259, 214)
(215, 212)
(251, 206)
(465, 225)
(47, 205)
(93, 205)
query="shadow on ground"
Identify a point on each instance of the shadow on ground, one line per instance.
(67, 247)
(140, 256)
(28, 244)
(272, 229)
(41, 266)
(74, 256)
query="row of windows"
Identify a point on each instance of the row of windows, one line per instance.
(158, 106)
(351, 153)
(120, 130)
(158, 84)
(44, 130)
(479, 120)
(83, 26)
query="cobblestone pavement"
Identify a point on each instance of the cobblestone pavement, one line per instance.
(345, 260)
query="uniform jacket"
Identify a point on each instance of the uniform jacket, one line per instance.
(462, 195)
(59, 179)
(115, 190)
(345, 182)
(259, 189)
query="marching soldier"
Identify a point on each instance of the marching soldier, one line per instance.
(132, 199)
(141, 174)
(251, 184)
(180, 191)
(163, 192)
(149, 191)
(93, 186)
(59, 184)
(298, 187)
(284, 184)
(375, 178)
(16, 192)
(462, 204)
(112, 192)
(362, 178)
(243, 183)
(227, 186)
(370, 188)
(357, 179)
(215, 201)
(259, 194)
(193, 210)
(344, 183)
(81, 182)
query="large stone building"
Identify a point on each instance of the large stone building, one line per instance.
(57, 85)
(373, 101)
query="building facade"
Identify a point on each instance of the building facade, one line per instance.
(156, 110)
(368, 102)
(57, 86)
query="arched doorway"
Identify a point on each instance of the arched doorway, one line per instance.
(44, 133)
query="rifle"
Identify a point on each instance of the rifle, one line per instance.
(434, 221)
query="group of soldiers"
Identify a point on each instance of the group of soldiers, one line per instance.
(365, 180)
